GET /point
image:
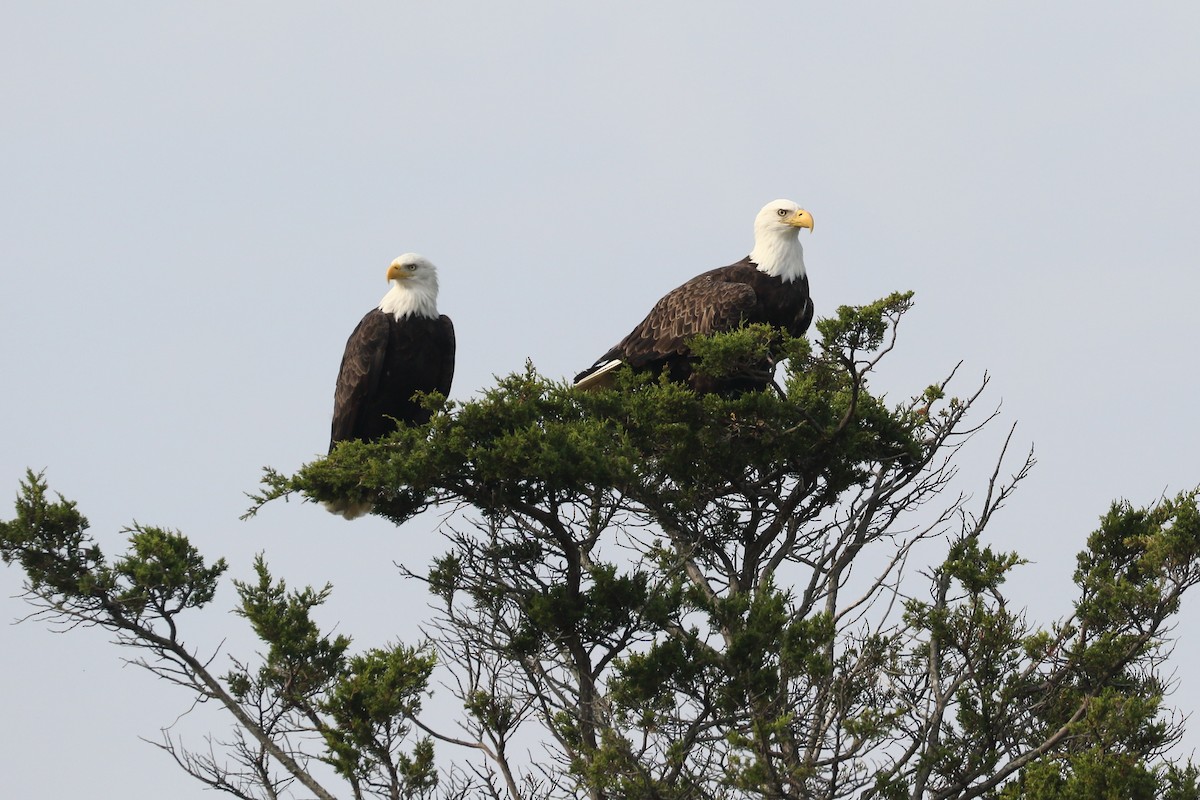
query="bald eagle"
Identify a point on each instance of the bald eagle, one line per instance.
(399, 348)
(767, 286)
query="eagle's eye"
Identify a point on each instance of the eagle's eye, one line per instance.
(410, 267)
(782, 212)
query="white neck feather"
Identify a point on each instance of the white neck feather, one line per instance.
(779, 254)
(410, 297)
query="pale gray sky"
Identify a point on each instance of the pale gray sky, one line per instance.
(200, 201)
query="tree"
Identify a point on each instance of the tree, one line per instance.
(655, 594)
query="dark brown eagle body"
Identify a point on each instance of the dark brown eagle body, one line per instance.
(718, 300)
(386, 361)
(769, 286)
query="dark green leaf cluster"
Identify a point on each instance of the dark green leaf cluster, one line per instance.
(525, 439)
(361, 705)
(301, 662)
(743, 352)
(1131, 578)
(1139, 559)
(164, 572)
(370, 706)
(1097, 774)
(859, 330)
(160, 576)
(1085, 695)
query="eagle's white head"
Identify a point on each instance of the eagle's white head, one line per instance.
(414, 288)
(777, 249)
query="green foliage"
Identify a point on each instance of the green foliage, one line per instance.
(857, 330)
(300, 663)
(360, 706)
(742, 352)
(369, 705)
(1139, 558)
(162, 573)
(679, 595)
(1092, 775)
(49, 541)
(1097, 774)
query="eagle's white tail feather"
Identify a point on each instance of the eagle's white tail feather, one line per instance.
(600, 378)
(349, 509)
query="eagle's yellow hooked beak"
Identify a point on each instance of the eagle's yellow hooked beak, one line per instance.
(801, 219)
(396, 271)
